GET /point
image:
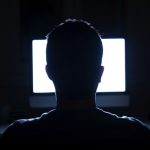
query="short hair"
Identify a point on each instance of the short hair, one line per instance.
(74, 44)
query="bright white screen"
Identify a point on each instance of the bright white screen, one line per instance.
(113, 79)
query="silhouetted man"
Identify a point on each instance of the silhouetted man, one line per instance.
(74, 55)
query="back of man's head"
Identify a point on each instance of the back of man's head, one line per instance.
(74, 54)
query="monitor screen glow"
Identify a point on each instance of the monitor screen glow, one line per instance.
(113, 79)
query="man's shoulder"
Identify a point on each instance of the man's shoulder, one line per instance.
(22, 127)
(126, 124)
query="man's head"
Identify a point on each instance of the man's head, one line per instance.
(74, 55)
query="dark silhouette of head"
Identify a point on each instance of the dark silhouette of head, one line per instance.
(74, 56)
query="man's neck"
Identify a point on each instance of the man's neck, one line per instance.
(75, 104)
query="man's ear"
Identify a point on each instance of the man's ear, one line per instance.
(47, 68)
(101, 70)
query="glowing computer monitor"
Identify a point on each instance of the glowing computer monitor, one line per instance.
(113, 79)
(111, 92)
